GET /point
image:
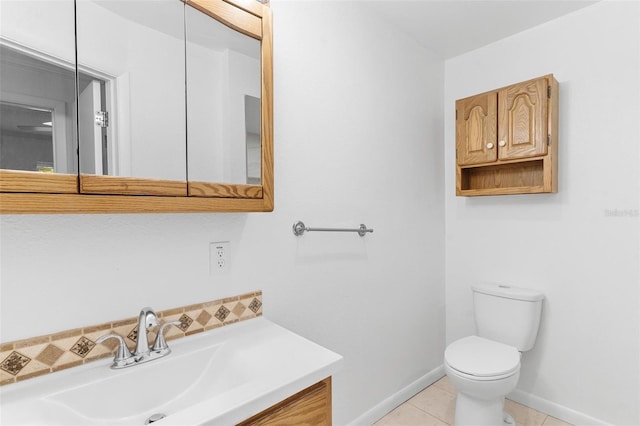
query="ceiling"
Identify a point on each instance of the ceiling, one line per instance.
(453, 27)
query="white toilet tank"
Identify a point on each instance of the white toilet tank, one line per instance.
(510, 315)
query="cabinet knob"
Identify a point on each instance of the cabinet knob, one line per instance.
(502, 143)
(490, 145)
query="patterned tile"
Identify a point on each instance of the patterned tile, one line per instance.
(50, 355)
(24, 359)
(185, 322)
(14, 363)
(238, 309)
(82, 347)
(133, 334)
(67, 341)
(203, 318)
(212, 309)
(255, 305)
(222, 313)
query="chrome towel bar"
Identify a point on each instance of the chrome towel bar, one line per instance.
(299, 228)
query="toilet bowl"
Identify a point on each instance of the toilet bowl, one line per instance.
(483, 372)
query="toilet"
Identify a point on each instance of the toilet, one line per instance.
(484, 368)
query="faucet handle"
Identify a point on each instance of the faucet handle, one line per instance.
(160, 343)
(122, 354)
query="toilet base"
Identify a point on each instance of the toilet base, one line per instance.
(481, 412)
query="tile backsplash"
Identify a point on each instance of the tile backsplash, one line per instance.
(24, 359)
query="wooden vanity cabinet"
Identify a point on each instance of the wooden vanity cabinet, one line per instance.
(311, 406)
(507, 140)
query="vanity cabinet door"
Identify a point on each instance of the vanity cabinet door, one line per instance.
(311, 406)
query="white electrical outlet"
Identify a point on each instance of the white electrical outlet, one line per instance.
(219, 257)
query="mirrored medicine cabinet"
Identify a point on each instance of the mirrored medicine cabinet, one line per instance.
(112, 106)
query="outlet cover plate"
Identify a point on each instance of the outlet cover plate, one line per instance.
(219, 257)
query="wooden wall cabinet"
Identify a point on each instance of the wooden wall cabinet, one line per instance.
(507, 140)
(311, 406)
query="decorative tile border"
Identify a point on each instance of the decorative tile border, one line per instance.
(24, 359)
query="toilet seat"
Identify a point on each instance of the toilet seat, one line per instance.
(478, 358)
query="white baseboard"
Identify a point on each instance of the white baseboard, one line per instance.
(551, 408)
(380, 410)
(555, 410)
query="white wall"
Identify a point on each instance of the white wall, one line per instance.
(358, 139)
(567, 245)
(44, 26)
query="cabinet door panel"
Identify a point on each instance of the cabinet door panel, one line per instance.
(522, 120)
(311, 406)
(476, 136)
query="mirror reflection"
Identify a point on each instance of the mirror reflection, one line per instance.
(131, 91)
(223, 102)
(37, 86)
(131, 114)
(26, 138)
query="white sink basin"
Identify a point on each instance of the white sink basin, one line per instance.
(218, 377)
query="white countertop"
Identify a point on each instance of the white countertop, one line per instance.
(219, 377)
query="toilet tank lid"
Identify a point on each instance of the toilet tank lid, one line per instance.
(508, 292)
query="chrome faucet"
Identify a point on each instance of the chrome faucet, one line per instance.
(143, 352)
(146, 320)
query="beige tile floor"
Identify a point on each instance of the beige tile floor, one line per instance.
(435, 406)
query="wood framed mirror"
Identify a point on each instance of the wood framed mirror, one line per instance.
(38, 192)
